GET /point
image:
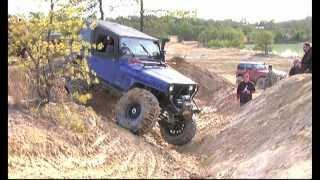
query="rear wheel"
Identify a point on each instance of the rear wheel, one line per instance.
(179, 132)
(260, 83)
(138, 110)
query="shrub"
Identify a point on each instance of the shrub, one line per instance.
(70, 115)
(223, 37)
(34, 36)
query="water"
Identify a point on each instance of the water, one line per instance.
(284, 50)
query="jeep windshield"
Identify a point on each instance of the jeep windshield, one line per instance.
(145, 49)
(261, 66)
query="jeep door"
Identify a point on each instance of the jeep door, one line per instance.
(125, 70)
(103, 58)
(141, 49)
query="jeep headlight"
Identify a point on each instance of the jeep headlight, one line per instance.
(190, 87)
(171, 88)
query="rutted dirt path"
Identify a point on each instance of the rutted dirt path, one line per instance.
(40, 151)
(269, 137)
(274, 141)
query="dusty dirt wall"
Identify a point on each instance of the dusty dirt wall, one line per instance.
(271, 136)
(214, 90)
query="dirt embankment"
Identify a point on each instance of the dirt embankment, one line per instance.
(38, 150)
(69, 140)
(270, 137)
(267, 138)
(214, 90)
(20, 86)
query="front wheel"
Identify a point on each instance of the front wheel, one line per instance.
(138, 110)
(178, 133)
(261, 83)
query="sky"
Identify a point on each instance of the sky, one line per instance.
(251, 10)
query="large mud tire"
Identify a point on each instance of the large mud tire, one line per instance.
(184, 134)
(138, 110)
(260, 84)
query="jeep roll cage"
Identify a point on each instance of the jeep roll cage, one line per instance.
(116, 32)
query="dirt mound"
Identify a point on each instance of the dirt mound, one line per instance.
(22, 89)
(103, 102)
(20, 86)
(214, 89)
(269, 138)
(41, 147)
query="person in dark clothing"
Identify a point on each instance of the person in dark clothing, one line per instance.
(306, 62)
(245, 90)
(296, 68)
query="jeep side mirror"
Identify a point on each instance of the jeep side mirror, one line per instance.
(162, 55)
(163, 43)
(162, 51)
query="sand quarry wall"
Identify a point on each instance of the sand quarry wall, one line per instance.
(269, 137)
(214, 90)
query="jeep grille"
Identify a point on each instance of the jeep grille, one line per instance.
(180, 89)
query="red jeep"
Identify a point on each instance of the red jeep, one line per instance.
(257, 72)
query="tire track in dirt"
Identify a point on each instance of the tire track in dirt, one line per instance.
(103, 156)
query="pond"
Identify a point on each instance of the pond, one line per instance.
(284, 50)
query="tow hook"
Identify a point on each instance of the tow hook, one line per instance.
(187, 114)
(197, 111)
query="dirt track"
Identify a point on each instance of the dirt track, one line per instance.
(269, 137)
(109, 151)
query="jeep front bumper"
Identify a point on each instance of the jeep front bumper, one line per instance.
(185, 107)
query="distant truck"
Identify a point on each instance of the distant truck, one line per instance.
(257, 72)
(134, 64)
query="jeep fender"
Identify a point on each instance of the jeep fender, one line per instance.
(153, 90)
(150, 87)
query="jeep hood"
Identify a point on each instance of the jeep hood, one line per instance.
(167, 74)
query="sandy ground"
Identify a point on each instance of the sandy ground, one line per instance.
(270, 137)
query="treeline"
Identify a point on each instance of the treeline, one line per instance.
(226, 33)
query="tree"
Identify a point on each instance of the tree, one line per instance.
(141, 15)
(279, 36)
(186, 26)
(91, 7)
(101, 10)
(34, 35)
(263, 41)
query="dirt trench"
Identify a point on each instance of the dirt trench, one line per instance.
(263, 139)
(37, 143)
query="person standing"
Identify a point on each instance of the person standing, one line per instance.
(245, 90)
(296, 68)
(271, 78)
(306, 61)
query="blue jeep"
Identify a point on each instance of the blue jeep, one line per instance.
(134, 63)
